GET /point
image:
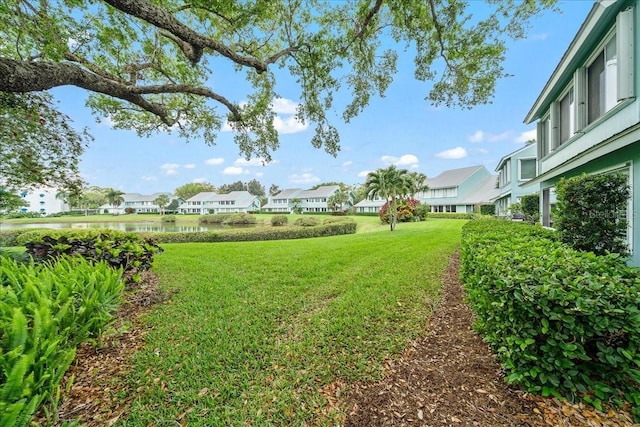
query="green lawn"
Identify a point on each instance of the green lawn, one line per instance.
(260, 332)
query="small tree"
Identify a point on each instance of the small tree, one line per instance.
(531, 207)
(115, 199)
(162, 201)
(337, 200)
(407, 210)
(591, 212)
(296, 206)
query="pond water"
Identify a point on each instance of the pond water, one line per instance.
(124, 226)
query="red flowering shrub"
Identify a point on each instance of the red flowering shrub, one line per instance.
(406, 210)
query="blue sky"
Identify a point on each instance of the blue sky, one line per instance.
(402, 129)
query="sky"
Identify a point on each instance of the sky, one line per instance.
(402, 128)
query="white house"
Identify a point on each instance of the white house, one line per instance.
(140, 203)
(210, 202)
(283, 201)
(43, 201)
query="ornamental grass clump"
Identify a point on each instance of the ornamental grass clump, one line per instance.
(46, 311)
(562, 322)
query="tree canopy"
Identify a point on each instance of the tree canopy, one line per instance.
(393, 184)
(190, 189)
(152, 66)
(38, 146)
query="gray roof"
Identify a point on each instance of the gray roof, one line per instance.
(324, 191)
(453, 177)
(205, 195)
(366, 203)
(485, 192)
(287, 194)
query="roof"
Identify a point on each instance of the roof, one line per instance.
(324, 191)
(485, 192)
(366, 203)
(205, 195)
(288, 193)
(452, 177)
(513, 154)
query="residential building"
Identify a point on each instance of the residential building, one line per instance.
(370, 205)
(43, 201)
(283, 201)
(315, 200)
(460, 190)
(139, 203)
(515, 169)
(588, 114)
(210, 202)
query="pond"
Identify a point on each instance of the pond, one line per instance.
(124, 226)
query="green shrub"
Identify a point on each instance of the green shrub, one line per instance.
(278, 220)
(306, 221)
(562, 322)
(451, 215)
(240, 219)
(10, 237)
(591, 212)
(254, 234)
(168, 218)
(336, 220)
(487, 209)
(46, 311)
(213, 218)
(530, 205)
(121, 250)
(406, 210)
(129, 210)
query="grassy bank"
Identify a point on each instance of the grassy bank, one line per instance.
(265, 333)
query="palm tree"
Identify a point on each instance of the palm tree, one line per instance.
(391, 183)
(337, 200)
(114, 198)
(419, 183)
(162, 201)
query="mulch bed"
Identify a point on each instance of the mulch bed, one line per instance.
(447, 378)
(450, 377)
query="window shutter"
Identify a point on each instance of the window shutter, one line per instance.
(555, 126)
(580, 92)
(624, 40)
(540, 139)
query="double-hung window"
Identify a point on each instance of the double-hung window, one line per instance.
(602, 81)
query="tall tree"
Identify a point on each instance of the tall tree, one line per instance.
(146, 63)
(10, 202)
(391, 183)
(162, 201)
(39, 146)
(115, 199)
(189, 190)
(256, 188)
(418, 183)
(234, 186)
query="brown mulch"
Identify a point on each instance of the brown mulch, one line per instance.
(451, 378)
(96, 393)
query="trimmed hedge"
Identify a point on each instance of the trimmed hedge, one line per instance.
(121, 250)
(306, 221)
(46, 311)
(562, 322)
(451, 215)
(278, 220)
(255, 234)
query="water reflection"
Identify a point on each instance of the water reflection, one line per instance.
(124, 226)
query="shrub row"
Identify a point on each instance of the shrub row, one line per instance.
(45, 312)
(256, 234)
(451, 215)
(228, 219)
(562, 322)
(278, 220)
(121, 250)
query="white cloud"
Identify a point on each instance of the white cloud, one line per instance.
(289, 125)
(189, 166)
(259, 175)
(253, 162)
(284, 106)
(200, 180)
(170, 168)
(234, 170)
(406, 160)
(305, 178)
(482, 136)
(148, 178)
(453, 154)
(478, 136)
(226, 127)
(215, 161)
(527, 136)
(539, 36)
(347, 164)
(363, 174)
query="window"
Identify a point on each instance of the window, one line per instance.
(567, 117)
(527, 169)
(602, 81)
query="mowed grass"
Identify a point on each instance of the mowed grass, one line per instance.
(271, 333)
